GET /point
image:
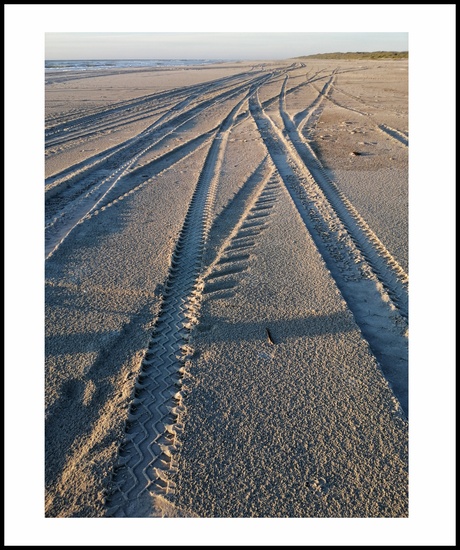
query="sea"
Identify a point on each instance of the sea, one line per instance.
(101, 64)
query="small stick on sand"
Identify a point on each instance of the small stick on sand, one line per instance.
(269, 336)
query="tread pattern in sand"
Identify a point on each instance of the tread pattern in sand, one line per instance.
(147, 454)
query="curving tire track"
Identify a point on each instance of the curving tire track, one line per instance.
(146, 457)
(91, 203)
(336, 103)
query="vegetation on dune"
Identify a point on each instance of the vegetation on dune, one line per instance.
(357, 55)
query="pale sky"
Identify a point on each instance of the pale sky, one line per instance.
(215, 45)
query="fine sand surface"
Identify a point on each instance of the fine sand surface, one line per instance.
(227, 291)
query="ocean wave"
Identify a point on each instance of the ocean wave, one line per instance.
(101, 64)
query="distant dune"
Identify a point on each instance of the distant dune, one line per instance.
(357, 55)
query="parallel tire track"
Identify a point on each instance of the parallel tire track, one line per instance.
(146, 457)
(379, 321)
(313, 110)
(69, 127)
(390, 273)
(93, 202)
(63, 222)
(165, 124)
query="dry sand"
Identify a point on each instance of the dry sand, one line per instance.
(227, 291)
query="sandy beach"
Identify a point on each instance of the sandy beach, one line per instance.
(227, 291)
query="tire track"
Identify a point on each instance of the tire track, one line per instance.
(146, 458)
(60, 223)
(81, 208)
(390, 273)
(164, 125)
(400, 137)
(149, 104)
(377, 317)
(221, 274)
(359, 100)
(171, 116)
(270, 101)
(315, 108)
(67, 123)
(72, 129)
(224, 229)
(104, 128)
(335, 102)
(57, 234)
(71, 175)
